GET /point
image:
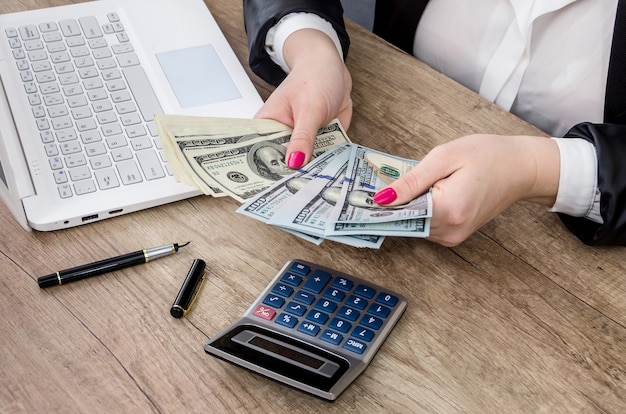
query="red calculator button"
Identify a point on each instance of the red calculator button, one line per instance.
(264, 312)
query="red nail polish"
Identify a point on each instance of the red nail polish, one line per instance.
(385, 196)
(295, 160)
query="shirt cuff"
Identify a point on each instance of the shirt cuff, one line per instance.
(276, 36)
(578, 193)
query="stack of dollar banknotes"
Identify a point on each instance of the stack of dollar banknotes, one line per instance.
(330, 198)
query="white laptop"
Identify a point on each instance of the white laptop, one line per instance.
(79, 87)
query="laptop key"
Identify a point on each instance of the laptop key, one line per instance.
(129, 172)
(142, 91)
(107, 178)
(150, 164)
(90, 26)
(84, 187)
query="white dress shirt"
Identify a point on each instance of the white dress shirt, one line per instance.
(544, 60)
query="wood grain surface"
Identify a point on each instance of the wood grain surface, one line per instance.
(520, 318)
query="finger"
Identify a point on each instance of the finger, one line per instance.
(430, 170)
(274, 109)
(302, 139)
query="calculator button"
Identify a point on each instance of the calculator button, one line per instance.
(317, 316)
(286, 320)
(356, 302)
(291, 279)
(304, 297)
(317, 281)
(309, 328)
(283, 290)
(363, 333)
(355, 346)
(264, 312)
(332, 337)
(372, 322)
(340, 325)
(335, 294)
(273, 300)
(379, 310)
(343, 284)
(387, 299)
(295, 309)
(365, 291)
(300, 269)
(348, 313)
(326, 305)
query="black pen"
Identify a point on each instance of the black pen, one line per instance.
(107, 265)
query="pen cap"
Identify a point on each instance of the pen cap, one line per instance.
(189, 289)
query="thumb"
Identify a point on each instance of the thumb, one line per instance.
(416, 182)
(301, 142)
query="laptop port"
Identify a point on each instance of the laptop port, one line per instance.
(92, 217)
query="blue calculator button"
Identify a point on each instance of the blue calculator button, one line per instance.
(299, 268)
(379, 310)
(304, 297)
(282, 290)
(295, 308)
(340, 325)
(365, 291)
(348, 313)
(317, 316)
(334, 294)
(291, 279)
(356, 302)
(326, 305)
(286, 320)
(363, 333)
(342, 283)
(387, 299)
(332, 337)
(309, 328)
(317, 281)
(372, 321)
(274, 301)
(355, 346)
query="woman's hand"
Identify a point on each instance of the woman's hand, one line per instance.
(474, 178)
(316, 91)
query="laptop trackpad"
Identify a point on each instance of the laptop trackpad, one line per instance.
(198, 76)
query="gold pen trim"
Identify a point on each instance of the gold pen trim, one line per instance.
(195, 294)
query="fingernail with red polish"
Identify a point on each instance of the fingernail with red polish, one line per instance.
(385, 196)
(295, 160)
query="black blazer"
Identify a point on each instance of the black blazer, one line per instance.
(396, 21)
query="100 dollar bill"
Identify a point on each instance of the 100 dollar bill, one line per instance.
(240, 164)
(266, 204)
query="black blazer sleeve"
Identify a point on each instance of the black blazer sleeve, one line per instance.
(610, 143)
(261, 15)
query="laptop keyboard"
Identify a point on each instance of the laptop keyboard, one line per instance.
(91, 102)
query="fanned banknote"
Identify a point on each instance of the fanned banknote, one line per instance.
(224, 157)
(355, 203)
(263, 206)
(181, 134)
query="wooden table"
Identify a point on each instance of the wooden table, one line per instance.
(521, 317)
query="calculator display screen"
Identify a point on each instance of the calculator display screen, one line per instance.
(293, 361)
(289, 353)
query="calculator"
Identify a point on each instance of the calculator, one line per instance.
(312, 328)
